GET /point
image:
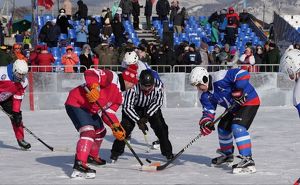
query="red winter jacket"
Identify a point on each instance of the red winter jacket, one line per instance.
(45, 59)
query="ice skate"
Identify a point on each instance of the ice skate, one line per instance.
(23, 144)
(155, 145)
(224, 159)
(81, 170)
(245, 166)
(97, 161)
(114, 158)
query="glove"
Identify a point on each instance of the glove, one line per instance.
(118, 131)
(94, 93)
(205, 126)
(142, 124)
(239, 97)
(17, 118)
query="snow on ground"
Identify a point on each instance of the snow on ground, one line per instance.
(275, 136)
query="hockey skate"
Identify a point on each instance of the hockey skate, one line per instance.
(97, 161)
(224, 159)
(114, 158)
(155, 145)
(23, 144)
(169, 157)
(245, 166)
(81, 170)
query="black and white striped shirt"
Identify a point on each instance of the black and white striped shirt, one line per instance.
(135, 97)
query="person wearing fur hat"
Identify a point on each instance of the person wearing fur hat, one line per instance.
(105, 89)
(62, 21)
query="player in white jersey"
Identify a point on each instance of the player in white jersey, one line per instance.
(290, 64)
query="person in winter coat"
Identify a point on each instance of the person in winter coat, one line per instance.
(69, 59)
(148, 13)
(85, 58)
(126, 6)
(232, 25)
(163, 9)
(107, 54)
(33, 57)
(68, 7)
(81, 34)
(94, 32)
(259, 56)
(118, 30)
(136, 14)
(45, 60)
(82, 10)
(272, 57)
(16, 53)
(178, 21)
(62, 21)
(248, 58)
(214, 33)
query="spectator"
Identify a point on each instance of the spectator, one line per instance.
(68, 7)
(204, 54)
(272, 57)
(136, 14)
(143, 54)
(94, 32)
(19, 37)
(174, 10)
(27, 38)
(232, 25)
(153, 52)
(126, 6)
(118, 30)
(148, 13)
(81, 34)
(248, 59)
(62, 21)
(259, 56)
(213, 58)
(1, 34)
(166, 56)
(85, 58)
(53, 35)
(45, 60)
(178, 21)
(214, 17)
(222, 21)
(69, 59)
(82, 11)
(214, 33)
(107, 54)
(44, 31)
(107, 29)
(192, 57)
(16, 53)
(245, 17)
(234, 58)
(33, 57)
(163, 9)
(5, 58)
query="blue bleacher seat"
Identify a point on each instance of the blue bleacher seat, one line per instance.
(210, 49)
(48, 17)
(71, 34)
(63, 36)
(244, 27)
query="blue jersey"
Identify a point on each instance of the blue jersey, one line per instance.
(223, 83)
(296, 95)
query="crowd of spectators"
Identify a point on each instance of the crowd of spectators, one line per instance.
(93, 37)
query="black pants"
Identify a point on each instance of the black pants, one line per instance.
(7, 106)
(158, 125)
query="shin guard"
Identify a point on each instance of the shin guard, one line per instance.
(85, 143)
(100, 133)
(19, 131)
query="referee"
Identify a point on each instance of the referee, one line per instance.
(142, 104)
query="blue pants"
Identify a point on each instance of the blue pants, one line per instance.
(81, 117)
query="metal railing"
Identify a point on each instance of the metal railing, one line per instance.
(55, 68)
(213, 68)
(116, 68)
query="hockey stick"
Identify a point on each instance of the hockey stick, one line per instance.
(158, 168)
(112, 123)
(147, 143)
(29, 131)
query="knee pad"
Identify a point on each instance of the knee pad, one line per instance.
(100, 133)
(87, 132)
(223, 132)
(238, 130)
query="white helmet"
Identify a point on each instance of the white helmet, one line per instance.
(130, 58)
(20, 70)
(290, 63)
(199, 75)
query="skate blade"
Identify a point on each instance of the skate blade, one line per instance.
(248, 170)
(80, 175)
(227, 164)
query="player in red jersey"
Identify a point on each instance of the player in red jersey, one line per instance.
(13, 83)
(105, 88)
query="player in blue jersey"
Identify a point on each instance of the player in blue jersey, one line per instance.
(290, 64)
(226, 88)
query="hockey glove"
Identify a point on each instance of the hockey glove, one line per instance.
(239, 97)
(205, 126)
(17, 118)
(142, 125)
(118, 131)
(94, 93)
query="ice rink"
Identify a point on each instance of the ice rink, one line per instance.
(275, 137)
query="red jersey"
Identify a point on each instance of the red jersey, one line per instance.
(10, 88)
(110, 94)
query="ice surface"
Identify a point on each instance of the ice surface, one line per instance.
(275, 137)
